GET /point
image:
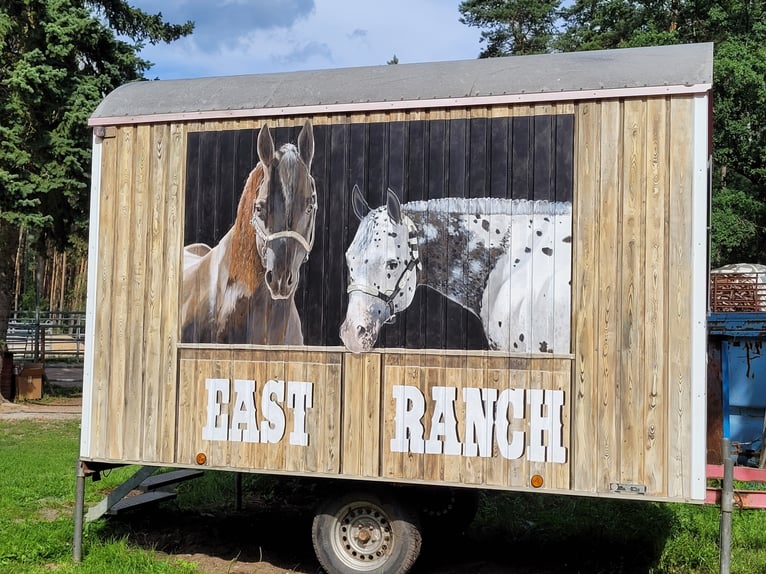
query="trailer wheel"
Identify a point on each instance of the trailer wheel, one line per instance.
(447, 508)
(365, 532)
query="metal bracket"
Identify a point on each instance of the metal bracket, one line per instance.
(104, 132)
(623, 488)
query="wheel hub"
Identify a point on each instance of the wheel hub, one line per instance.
(364, 537)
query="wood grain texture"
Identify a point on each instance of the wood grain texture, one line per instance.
(609, 304)
(362, 431)
(679, 308)
(104, 277)
(585, 295)
(632, 238)
(169, 331)
(136, 245)
(120, 316)
(156, 255)
(632, 262)
(655, 315)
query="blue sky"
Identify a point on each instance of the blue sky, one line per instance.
(260, 36)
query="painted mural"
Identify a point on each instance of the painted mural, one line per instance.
(242, 290)
(468, 245)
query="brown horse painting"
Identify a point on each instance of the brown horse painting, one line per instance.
(242, 290)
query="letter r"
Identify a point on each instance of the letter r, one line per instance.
(409, 431)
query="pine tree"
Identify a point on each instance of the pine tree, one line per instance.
(60, 58)
(512, 26)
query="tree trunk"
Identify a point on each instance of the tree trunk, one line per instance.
(9, 239)
(19, 274)
(63, 282)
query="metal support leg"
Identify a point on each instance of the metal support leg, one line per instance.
(79, 511)
(727, 504)
(238, 491)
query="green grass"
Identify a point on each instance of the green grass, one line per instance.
(608, 535)
(37, 479)
(560, 533)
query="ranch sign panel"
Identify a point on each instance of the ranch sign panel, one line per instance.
(458, 418)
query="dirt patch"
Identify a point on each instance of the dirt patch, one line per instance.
(261, 540)
(55, 408)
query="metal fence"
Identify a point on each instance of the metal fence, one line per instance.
(43, 335)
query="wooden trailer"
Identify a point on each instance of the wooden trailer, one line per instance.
(480, 274)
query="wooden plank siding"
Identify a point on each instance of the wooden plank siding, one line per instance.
(135, 370)
(625, 382)
(632, 310)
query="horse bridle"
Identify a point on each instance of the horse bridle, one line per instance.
(388, 297)
(267, 238)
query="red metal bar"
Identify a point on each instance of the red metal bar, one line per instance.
(755, 499)
(741, 473)
(752, 499)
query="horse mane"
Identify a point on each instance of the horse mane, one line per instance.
(489, 206)
(245, 265)
(288, 159)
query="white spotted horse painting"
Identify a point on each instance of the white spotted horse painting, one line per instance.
(242, 289)
(508, 261)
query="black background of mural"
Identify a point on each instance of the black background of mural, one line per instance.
(521, 157)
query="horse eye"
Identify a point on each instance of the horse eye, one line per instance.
(309, 209)
(392, 264)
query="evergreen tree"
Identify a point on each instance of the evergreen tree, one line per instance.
(59, 59)
(512, 26)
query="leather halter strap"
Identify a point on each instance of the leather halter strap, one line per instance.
(306, 242)
(388, 297)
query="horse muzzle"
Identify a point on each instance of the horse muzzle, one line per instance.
(281, 285)
(359, 337)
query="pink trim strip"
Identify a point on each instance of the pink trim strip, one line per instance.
(363, 107)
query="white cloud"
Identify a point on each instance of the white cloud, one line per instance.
(334, 33)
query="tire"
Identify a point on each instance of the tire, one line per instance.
(447, 509)
(365, 532)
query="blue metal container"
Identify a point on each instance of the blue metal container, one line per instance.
(743, 376)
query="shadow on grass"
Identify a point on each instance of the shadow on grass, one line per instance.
(512, 533)
(545, 533)
(274, 525)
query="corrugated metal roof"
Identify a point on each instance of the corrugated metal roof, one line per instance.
(647, 70)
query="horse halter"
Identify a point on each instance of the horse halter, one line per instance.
(389, 296)
(267, 238)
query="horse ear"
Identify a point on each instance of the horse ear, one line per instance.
(265, 145)
(306, 143)
(358, 203)
(394, 207)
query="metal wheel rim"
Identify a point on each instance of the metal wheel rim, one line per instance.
(362, 536)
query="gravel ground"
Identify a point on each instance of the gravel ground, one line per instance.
(65, 403)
